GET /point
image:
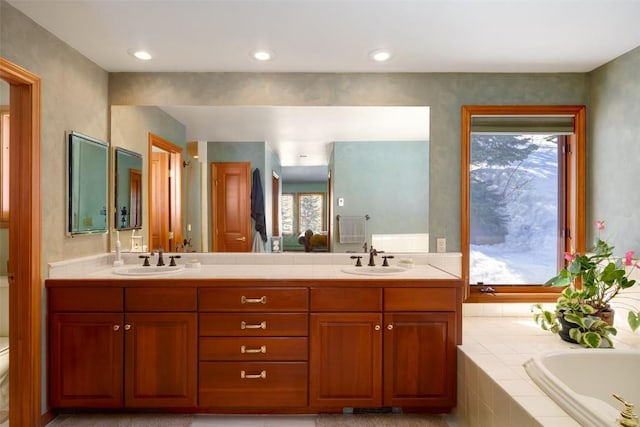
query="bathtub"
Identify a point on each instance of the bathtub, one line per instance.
(582, 382)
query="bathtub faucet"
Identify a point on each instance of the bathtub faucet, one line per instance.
(627, 417)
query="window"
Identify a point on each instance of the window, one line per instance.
(523, 198)
(310, 211)
(287, 214)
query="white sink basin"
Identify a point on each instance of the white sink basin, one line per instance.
(374, 271)
(148, 271)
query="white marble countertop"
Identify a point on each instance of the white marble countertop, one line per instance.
(260, 266)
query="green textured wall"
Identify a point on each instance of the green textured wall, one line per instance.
(614, 151)
(387, 180)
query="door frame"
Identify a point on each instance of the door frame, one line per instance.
(25, 281)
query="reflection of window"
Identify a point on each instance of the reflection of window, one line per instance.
(310, 211)
(287, 214)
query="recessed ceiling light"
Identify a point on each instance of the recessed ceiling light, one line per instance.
(140, 54)
(262, 55)
(380, 55)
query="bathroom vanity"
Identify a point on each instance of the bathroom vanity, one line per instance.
(255, 339)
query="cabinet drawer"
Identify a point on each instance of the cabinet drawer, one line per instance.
(254, 299)
(86, 299)
(160, 299)
(253, 324)
(420, 299)
(253, 384)
(346, 299)
(251, 348)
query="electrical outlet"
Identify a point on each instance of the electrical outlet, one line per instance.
(441, 245)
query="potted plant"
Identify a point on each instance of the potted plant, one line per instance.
(583, 312)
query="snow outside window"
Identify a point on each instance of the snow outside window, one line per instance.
(514, 208)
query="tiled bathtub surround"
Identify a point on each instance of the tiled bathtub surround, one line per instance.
(493, 388)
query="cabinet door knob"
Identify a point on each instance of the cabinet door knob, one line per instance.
(389, 326)
(377, 327)
(261, 325)
(261, 375)
(116, 327)
(127, 327)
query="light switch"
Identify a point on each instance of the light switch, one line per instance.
(340, 201)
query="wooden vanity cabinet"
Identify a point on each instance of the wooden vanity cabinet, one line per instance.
(115, 347)
(253, 348)
(383, 347)
(85, 346)
(160, 347)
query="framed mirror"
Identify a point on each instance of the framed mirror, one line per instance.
(87, 165)
(128, 190)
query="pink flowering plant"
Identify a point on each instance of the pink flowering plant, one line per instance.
(602, 277)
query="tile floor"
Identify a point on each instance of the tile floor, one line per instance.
(204, 420)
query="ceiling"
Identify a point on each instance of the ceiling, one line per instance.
(337, 35)
(334, 36)
(301, 135)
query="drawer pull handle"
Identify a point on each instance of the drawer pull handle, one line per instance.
(261, 325)
(262, 349)
(377, 327)
(389, 326)
(127, 327)
(261, 375)
(116, 327)
(261, 300)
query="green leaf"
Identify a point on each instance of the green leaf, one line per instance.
(591, 340)
(634, 320)
(575, 334)
(587, 309)
(575, 319)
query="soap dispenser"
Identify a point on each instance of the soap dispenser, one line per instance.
(118, 261)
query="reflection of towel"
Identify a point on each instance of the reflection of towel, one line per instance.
(258, 244)
(352, 229)
(257, 205)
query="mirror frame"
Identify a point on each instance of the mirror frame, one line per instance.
(73, 138)
(117, 212)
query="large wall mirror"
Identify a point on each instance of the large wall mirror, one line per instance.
(87, 161)
(128, 189)
(377, 157)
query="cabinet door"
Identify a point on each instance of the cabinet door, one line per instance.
(419, 360)
(345, 360)
(160, 360)
(85, 360)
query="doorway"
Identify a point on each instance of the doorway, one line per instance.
(24, 277)
(165, 194)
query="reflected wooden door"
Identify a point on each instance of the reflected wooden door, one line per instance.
(159, 214)
(165, 194)
(231, 206)
(135, 197)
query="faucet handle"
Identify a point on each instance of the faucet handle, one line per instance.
(627, 417)
(385, 257)
(146, 260)
(172, 263)
(358, 262)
